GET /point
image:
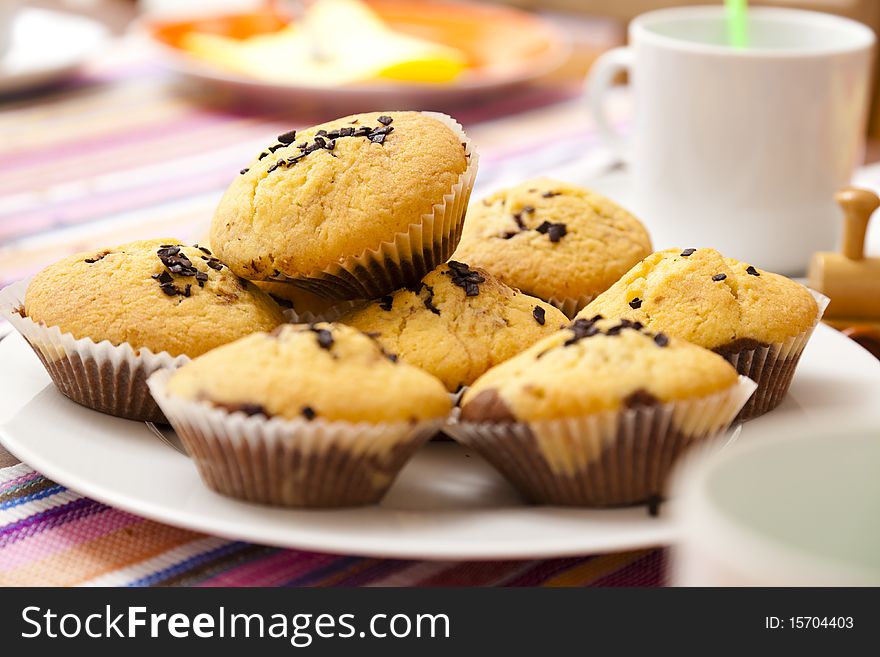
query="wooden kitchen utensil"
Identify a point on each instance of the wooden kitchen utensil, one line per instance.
(848, 278)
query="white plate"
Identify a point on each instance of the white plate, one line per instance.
(46, 47)
(447, 503)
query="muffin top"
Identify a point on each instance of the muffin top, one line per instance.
(334, 190)
(326, 371)
(156, 294)
(702, 297)
(592, 366)
(457, 324)
(552, 239)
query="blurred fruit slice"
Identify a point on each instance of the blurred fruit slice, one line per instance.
(338, 42)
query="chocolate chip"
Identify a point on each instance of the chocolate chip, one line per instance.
(688, 252)
(275, 147)
(429, 300)
(164, 278)
(262, 155)
(274, 166)
(287, 137)
(377, 139)
(554, 231)
(661, 339)
(581, 328)
(346, 132)
(551, 194)
(640, 397)
(97, 257)
(202, 278)
(325, 338)
(176, 261)
(202, 249)
(385, 120)
(528, 209)
(464, 277)
(519, 221)
(385, 302)
(308, 413)
(213, 263)
(635, 304)
(719, 277)
(538, 314)
(751, 271)
(510, 234)
(321, 133)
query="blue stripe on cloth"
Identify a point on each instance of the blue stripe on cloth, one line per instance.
(338, 564)
(192, 562)
(39, 495)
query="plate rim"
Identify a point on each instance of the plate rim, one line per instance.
(662, 530)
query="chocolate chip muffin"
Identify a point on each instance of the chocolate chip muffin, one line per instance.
(101, 321)
(597, 413)
(553, 240)
(758, 320)
(352, 209)
(457, 323)
(308, 415)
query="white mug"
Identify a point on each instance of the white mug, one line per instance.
(8, 10)
(791, 503)
(741, 149)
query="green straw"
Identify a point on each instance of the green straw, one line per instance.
(737, 23)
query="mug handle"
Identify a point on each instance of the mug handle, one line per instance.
(598, 82)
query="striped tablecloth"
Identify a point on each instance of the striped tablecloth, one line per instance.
(122, 153)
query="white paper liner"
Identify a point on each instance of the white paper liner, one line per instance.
(603, 459)
(772, 367)
(408, 256)
(295, 463)
(100, 375)
(570, 306)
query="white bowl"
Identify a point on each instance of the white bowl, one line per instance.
(792, 505)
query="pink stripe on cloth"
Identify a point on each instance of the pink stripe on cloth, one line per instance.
(117, 140)
(273, 570)
(473, 573)
(19, 481)
(59, 539)
(99, 206)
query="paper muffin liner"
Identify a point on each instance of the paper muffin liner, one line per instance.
(105, 377)
(610, 458)
(292, 463)
(570, 306)
(403, 260)
(772, 366)
(330, 314)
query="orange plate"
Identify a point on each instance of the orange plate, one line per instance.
(504, 46)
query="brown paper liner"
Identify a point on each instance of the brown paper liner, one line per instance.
(405, 259)
(772, 366)
(105, 377)
(606, 459)
(570, 306)
(330, 314)
(293, 463)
